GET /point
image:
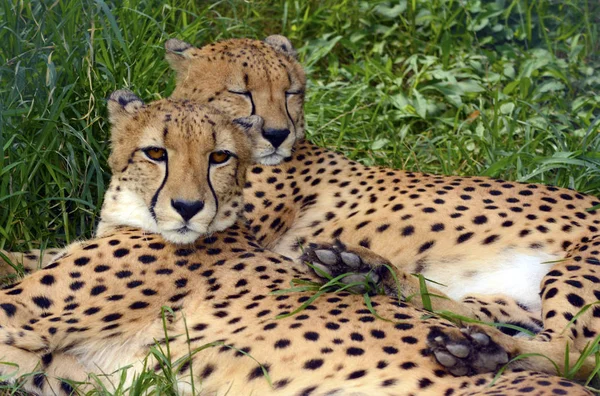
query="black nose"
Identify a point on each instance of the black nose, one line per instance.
(187, 209)
(276, 136)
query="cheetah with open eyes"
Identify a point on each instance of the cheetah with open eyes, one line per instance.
(98, 307)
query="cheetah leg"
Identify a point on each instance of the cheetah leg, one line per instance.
(466, 351)
(572, 285)
(505, 311)
(369, 265)
(363, 265)
(337, 259)
(480, 349)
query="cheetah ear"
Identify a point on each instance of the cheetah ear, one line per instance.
(282, 44)
(122, 106)
(123, 103)
(177, 52)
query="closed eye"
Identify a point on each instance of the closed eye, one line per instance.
(248, 95)
(300, 92)
(245, 93)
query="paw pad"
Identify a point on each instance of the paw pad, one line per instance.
(335, 260)
(469, 352)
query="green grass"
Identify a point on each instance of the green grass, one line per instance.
(508, 89)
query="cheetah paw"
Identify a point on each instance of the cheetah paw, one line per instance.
(361, 266)
(471, 352)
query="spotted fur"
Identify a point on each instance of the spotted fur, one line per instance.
(471, 234)
(518, 253)
(100, 307)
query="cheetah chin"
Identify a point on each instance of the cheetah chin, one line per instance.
(274, 158)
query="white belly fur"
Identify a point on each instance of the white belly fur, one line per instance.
(513, 273)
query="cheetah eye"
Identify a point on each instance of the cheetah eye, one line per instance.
(245, 93)
(219, 157)
(156, 153)
(290, 93)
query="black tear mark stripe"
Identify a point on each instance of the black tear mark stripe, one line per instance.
(253, 111)
(286, 103)
(235, 173)
(155, 197)
(212, 190)
(289, 115)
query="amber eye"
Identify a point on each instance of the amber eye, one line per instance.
(219, 157)
(156, 153)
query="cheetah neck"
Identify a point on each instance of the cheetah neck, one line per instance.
(278, 196)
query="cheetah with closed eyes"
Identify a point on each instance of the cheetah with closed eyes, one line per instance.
(508, 252)
(170, 237)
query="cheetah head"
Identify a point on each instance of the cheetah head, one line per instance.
(177, 167)
(243, 77)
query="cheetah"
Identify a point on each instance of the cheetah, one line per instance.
(171, 240)
(498, 251)
(505, 252)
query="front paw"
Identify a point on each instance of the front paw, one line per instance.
(466, 351)
(358, 267)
